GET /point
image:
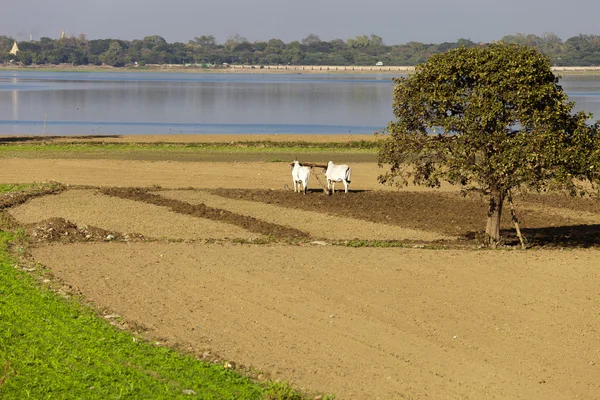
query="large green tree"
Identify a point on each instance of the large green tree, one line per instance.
(113, 56)
(491, 119)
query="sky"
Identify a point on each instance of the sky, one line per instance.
(396, 21)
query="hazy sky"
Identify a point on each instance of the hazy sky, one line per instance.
(397, 22)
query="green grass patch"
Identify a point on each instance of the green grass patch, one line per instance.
(391, 243)
(27, 187)
(360, 151)
(239, 146)
(370, 243)
(7, 187)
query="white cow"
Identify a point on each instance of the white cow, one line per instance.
(300, 175)
(337, 173)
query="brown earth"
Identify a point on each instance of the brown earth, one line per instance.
(117, 215)
(255, 281)
(169, 174)
(319, 225)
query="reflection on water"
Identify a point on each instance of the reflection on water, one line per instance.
(15, 101)
(97, 103)
(130, 103)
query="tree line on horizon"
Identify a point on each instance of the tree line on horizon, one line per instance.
(582, 50)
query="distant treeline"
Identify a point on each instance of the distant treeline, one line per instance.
(582, 50)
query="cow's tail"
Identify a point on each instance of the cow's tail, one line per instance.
(348, 174)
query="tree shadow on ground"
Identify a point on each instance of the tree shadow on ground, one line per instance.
(572, 236)
(44, 138)
(337, 191)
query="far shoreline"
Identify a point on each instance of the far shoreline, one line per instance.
(261, 69)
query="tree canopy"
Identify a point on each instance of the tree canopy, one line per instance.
(582, 50)
(491, 119)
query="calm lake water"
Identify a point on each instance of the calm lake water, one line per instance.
(162, 103)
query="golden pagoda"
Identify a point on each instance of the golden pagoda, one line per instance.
(62, 35)
(14, 49)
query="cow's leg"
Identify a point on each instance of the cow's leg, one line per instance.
(332, 187)
(304, 187)
(345, 186)
(296, 188)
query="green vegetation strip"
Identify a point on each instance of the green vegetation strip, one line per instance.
(241, 146)
(30, 188)
(55, 347)
(370, 243)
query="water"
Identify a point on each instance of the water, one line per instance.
(73, 103)
(584, 90)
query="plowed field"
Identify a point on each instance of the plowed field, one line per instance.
(219, 258)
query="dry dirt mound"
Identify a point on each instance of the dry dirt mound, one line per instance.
(362, 323)
(61, 230)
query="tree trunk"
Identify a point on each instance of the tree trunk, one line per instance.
(492, 230)
(515, 220)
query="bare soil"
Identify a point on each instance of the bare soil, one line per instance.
(220, 259)
(118, 215)
(286, 208)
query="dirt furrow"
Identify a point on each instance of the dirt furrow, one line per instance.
(88, 208)
(318, 224)
(201, 210)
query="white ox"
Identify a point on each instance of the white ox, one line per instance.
(337, 173)
(300, 175)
